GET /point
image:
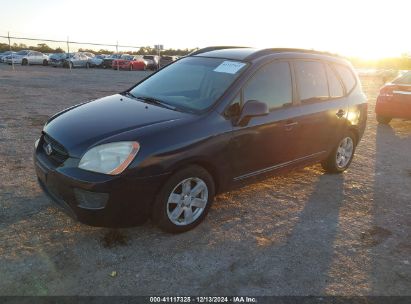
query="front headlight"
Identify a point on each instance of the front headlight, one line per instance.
(112, 158)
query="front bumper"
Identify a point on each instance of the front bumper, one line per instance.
(14, 61)
(56, 63)
(129, 199)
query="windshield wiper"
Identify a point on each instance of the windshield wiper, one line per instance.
(129, 94)
(155, 101)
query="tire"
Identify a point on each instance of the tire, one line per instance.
(45, 62)
(163, 207)
(24, 62)
(336, 162)
(131, 67)
(87, 65)
(383, 120)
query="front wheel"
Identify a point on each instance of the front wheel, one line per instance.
(341, 156)
(184, 200)
(45, 62)
(24, 62)
(383, 120)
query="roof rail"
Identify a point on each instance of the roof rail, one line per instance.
(289, 50)
(214, 48)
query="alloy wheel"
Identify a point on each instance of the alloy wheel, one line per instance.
(187, 201)
(344, 152)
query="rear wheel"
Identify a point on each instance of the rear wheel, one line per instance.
(45, 62)
(383, 120)
(341, 156)
(184, 200)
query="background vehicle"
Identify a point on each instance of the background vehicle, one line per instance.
(165, 60)
(249, 112)
(152, 61)
(131, 63)
(97, 60)
(76, 60)
(26, 57)
(57, 59)
(394, 100)
(108, 61)
(5, 54)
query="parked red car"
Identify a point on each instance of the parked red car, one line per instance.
(131, 63)
(394, 100)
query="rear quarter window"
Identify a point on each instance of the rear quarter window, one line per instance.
(346, 76)
(311, 81)
(334, 84)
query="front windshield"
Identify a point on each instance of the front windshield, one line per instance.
(193, 83)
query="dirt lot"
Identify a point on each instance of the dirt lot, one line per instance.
(305, 233)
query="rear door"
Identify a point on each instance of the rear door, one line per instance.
(323, 108)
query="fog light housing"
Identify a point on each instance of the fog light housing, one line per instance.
(90, 200)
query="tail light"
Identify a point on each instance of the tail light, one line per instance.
(387, 91)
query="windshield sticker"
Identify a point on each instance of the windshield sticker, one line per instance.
(230, 67)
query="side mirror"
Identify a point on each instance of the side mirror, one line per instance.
(252, 108)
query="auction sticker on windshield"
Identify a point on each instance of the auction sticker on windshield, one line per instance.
(230, 67)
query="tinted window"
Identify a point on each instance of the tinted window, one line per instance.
(334, 85)
(271, 84)
(346, 76)
(311, 81)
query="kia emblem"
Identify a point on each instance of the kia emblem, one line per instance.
(49, 149)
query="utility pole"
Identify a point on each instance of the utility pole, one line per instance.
(68, 53)
(12, 62)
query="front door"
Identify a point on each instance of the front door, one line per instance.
(267, 142)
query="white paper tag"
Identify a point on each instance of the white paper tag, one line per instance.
(230, 67)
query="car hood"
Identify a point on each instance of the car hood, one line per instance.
(80, 127)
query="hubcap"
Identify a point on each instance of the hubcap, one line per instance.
(187, 201)
(344, 152)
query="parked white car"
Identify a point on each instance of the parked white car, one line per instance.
(97, 60)
(28, 57)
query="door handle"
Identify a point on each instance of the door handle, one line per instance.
(289, 125)
(340, 113)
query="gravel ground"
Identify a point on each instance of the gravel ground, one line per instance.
(303, 233)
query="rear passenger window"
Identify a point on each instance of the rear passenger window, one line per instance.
(311, 81)
(271, 84)
(334, 85)
(346, 76)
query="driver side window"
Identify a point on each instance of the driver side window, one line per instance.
(271, 84)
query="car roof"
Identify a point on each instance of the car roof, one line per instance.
(250, 54)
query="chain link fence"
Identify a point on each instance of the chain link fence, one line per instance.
(12, 43)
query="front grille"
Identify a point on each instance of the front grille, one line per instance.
(58, 153)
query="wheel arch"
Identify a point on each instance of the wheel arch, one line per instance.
(356, 132)
(205, 164)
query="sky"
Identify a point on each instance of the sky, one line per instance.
(361, 28)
